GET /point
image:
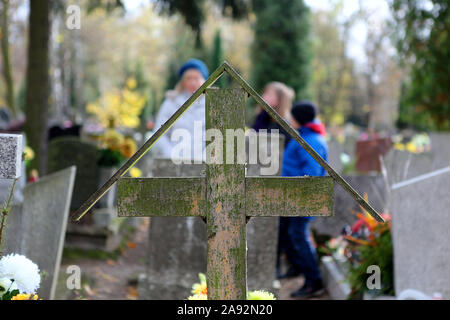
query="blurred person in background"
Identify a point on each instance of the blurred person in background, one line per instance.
(192, 74)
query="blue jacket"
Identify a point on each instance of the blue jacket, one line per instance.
(298, 162)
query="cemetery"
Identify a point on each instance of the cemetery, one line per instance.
(251, 180)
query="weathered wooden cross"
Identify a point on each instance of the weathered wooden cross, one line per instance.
(225, 197)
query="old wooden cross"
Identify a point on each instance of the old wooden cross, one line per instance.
(225, 197)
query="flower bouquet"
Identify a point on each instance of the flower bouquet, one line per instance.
(369, 243)
(19, 278)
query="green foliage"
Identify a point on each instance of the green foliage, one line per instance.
(333, 78)
(216, 59)
(192, 10)
(110, 158)
(108, 5)
(379, 252)
(281, 48)
(423, 41)
(9, 294)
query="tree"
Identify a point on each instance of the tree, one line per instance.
(333, 80)
(423, 41)
(217, 57)
(7, 73)
(193, 12)
(280, 50)
(38, 82)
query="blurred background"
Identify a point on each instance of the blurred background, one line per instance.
(371, 66)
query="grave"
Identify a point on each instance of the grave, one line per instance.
(36, 228)
(368, 153)
(10, 156)
(102, 230)
(402, 165)
(185, 239)
(345, 207)
(15, 144)
(226, 198)
(420, 233)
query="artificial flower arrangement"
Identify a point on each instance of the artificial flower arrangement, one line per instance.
(19, 278)
(418, 143)
(115, 148)
(114, 110)
(199, 292)
(119, 108)
(369, 243)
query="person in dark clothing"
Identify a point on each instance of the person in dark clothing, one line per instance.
(297, 162)
(279, 97)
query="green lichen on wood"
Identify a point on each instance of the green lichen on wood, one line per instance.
(289, 196)
(161, 197)
(226, 270)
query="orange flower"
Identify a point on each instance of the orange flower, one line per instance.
(356, 240)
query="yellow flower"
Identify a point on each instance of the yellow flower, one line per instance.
(22, 296)
(399, 146)
(135, 172)
(260, 295)
(131, 83)
(411, 147)
(113, 139)
(29, 153)
(128, 147)
(200, 288)
(198, 297)
(119, 108)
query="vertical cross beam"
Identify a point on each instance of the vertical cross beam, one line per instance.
(225, 192)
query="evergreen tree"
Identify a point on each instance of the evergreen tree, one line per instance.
(216, 59)
(423, 41)
(281, 48)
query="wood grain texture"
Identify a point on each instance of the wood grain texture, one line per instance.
(225, 193)
(289, 196)
(154, 197)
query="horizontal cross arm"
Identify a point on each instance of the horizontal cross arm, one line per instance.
(289, 196)
(155, 197)
(264, 196)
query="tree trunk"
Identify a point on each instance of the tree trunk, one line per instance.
(6, 58)
(38, 82)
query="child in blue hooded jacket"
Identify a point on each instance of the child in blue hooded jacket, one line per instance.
(298, 162)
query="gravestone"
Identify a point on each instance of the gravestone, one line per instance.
(101, 230)
(37, 227)
(185, 238)
(5, 157)
(65, 152)
(345, 206)
(421, 233)
(402, 165)
(368, 153)
(337, 148)
(10, 173)
(10, 156)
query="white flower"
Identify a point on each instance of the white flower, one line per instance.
(7, 285)
(24, 272)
